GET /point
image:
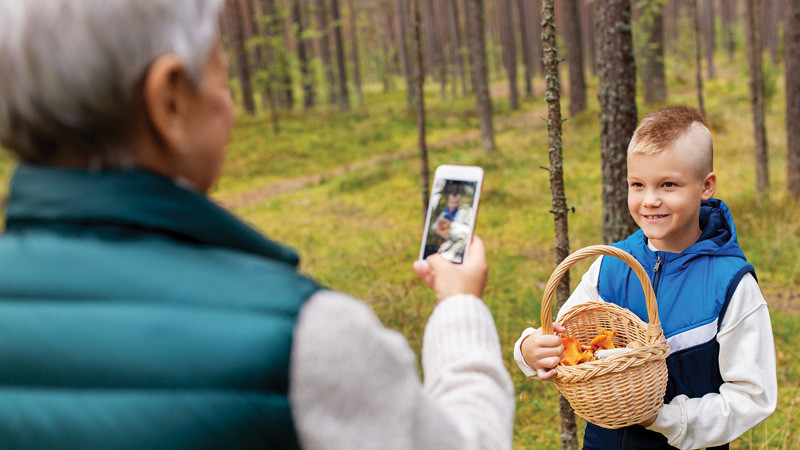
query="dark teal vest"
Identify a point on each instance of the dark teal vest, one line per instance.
(137, 314)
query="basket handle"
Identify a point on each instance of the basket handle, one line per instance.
(654, 324)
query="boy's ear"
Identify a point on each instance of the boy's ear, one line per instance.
(709, 186)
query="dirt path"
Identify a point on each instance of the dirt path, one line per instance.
(288, 185)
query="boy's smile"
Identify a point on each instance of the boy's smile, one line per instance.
(664, 195)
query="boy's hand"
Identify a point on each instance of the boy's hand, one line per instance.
(447, 278)
(543, 352)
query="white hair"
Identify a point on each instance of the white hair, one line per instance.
(72, 70)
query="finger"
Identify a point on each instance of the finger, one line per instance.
(558, 328)
(545, 374)
(423, 270)
(436, 262)
(477, 252)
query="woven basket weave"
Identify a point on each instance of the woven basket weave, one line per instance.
(624, 389)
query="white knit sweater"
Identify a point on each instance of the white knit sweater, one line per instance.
(355, 384)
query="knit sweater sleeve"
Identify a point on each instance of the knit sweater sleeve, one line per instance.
(749, 393)
(355, 383)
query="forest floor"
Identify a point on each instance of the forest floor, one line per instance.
(258, 194)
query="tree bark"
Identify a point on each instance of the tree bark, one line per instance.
(403, 48)
(321, 10)
(574, 48)
(617, 96)
(306, 79)
(240, 52)
(354, 51)
(698, 55)
(524, 14)
(419, 77)
(338, 39)
(457, 38)
(792, 57)
(590, 50)
(538, 52)
(509, 43)
(476, 38)
(709, 21)
(281, 76)
(651, 15)
(729, 14)
(769, 27)
(569, 430)
(752, 34)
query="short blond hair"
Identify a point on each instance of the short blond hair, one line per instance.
(664, 127)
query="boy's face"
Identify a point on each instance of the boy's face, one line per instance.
(664, 195)
(453, 201)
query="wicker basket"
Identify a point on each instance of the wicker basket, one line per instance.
(625, 389)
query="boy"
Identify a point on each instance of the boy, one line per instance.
(722, 378)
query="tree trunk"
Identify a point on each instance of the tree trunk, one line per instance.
(338, 39)
(480, 74)
(306, 79)
(524, 14)
(276, 43)
(729, 14)
(419, 77)
(321, 10)
(403, 47)
(617, 96)
(752, 33)
(791, 46)
(509, 43)
(709, 21)
(652, 55)
(569, 429)
(769, 27)
(698, 55)
(263, 69)
(589, 48)
(240, 52)
(354, 51)
(538, 52)
(574, 48)
(457, 38)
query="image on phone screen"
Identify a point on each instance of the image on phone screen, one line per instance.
(451, 219)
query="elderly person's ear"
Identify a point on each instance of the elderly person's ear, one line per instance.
(167, 102)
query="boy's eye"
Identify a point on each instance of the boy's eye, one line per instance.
(669, 184)
(636, 184)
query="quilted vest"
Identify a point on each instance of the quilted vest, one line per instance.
(693, 289)
(135, 313)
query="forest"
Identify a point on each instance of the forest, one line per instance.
(345, 107)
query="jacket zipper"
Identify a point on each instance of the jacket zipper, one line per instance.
(657, 274)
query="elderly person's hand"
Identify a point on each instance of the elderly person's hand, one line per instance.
(447, 278)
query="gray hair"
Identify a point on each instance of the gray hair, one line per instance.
(72, 70)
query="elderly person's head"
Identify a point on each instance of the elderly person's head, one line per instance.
(115, 84)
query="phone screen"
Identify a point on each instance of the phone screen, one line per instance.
(451, 218)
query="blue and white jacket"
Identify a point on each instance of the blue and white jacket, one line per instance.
(693, 289)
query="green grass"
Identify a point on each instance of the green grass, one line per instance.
(358, 230)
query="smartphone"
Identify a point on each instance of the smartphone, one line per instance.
(452, 210)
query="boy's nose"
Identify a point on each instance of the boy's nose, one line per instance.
(651, 200)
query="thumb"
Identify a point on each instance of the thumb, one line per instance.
(423, 270)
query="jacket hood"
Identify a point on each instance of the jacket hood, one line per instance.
(718, 238)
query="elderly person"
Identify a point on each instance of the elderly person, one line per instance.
(135, 313)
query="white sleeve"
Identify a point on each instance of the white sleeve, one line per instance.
(586, 291)
(750, 390)
(355, 383)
